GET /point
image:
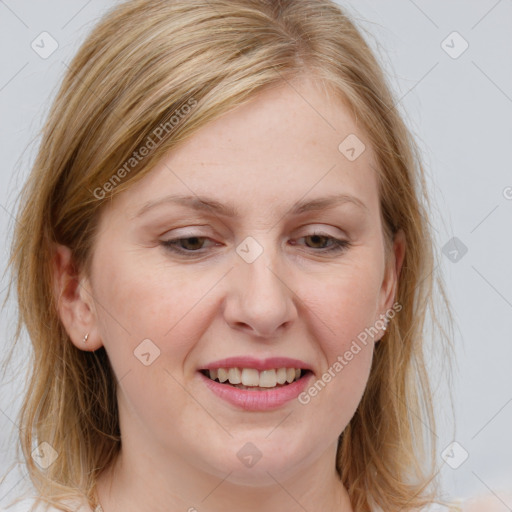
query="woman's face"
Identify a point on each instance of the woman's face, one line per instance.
(257, 277)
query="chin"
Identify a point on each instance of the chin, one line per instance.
(252, 464)
(261, 474)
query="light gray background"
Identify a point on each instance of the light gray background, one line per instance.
(460, 110)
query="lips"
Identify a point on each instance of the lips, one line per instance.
(255, 384)
(258, 364)
(246, 372)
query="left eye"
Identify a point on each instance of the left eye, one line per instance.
(335, 245)
(194, 244)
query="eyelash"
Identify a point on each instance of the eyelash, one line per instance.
(336, 246)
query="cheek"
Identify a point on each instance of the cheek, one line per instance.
(133, 293)
(141, 303)
(139, 300)
(346, 309)
(343, 310)
(345, 305)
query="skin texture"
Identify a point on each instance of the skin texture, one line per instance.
(180, 441)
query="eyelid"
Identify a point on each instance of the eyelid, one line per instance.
(187, 231)
(310, 229)
(337, 245)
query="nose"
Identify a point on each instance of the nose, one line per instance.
(260, 301)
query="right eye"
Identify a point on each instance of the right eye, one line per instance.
(184, 245)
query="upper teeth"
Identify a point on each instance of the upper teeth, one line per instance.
(253, 377)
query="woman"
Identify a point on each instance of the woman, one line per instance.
(224, 263)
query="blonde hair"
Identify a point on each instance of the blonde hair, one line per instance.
(143, 63)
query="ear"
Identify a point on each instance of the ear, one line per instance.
(74, 300)
(390, 282)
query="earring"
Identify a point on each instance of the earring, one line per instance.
(386, 324)
(85, 338)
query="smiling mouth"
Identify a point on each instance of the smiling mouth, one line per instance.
(252, 379)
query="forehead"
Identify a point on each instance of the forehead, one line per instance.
(289, 142)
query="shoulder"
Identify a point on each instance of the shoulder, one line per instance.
(25, 505)
(30, 505)
(488, 502)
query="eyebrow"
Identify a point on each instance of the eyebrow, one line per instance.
(228, 210)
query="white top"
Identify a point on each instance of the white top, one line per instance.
(435, 507)
(489, 503)
(27, 504)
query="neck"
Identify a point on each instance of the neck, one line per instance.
(142, 483)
